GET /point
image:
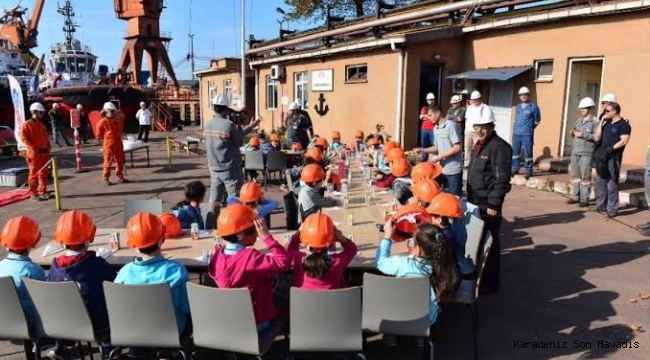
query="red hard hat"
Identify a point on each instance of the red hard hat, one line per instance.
(406, 220)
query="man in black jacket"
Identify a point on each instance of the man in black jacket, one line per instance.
(488, 182)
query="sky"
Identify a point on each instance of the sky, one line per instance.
(215, 24)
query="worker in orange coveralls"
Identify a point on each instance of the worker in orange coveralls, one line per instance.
(109, 131)
(34, 136)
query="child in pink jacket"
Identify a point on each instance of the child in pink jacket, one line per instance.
(319, 270)
(237, 264)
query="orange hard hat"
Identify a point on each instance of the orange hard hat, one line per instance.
(425, 190)
(393, 154)
(321, 141)
(425, 170)
(315, 154)
(317, 231)
(389, 146)
(336, 135)
(400, 167)
(373, 142)
(172, 225)
(296, 146)
(406, 219)
(358, 134)
(20, 233)
(275, 137)
(74, 228)
(250, 192)
(312, 173)
(447, 205)
(254, 141)
(234, 219)
(143, 230)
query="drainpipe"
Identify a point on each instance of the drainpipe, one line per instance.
(200, 76)
(400, 91)
(257, 89)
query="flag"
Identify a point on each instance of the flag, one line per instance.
(19, 110)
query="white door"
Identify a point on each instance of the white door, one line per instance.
(501, 103)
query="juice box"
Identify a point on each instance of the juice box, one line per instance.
(194, 231)
(114, 241)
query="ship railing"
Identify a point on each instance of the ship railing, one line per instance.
(162, 116)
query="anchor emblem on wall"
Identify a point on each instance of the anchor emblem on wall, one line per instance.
(320, 109)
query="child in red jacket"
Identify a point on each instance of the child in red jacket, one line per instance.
(237, 264)
(320, 270)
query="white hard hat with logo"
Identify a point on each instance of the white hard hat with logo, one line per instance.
(221, 100)
(294, 106)
(475, 95)
(524, 90)
(586, 103)
(109, 106)
(455, 99)
(430, 96)
(36, 107)
(609, 97)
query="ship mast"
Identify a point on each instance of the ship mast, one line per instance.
(69, 27)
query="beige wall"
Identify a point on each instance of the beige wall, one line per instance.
(219, 78)
(358, 106)
(627, 69)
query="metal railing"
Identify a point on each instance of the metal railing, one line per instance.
(161, 115)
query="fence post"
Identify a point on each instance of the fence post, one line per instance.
(55, 177)
(169, 153)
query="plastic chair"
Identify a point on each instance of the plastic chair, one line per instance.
(338, 316)
(232, 328)
(254, 160)
(276, 161)
(209, 215)
(410, 318)
(474, 229)
(141, 316)
(132, 207)
(62, 312)
(12, 317)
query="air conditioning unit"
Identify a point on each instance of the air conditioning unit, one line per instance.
(463, 86)
(277, 72)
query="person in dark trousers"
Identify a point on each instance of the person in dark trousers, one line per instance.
(488, 182)
(297, 126)
(57, 125)
(644, 229)
(83, 124)
(612, 133)
(527, 118)
(144, 120)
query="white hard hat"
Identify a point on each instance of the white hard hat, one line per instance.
(475, 95)
(609, 97)
(36, 107)
(430, 96)
(586, 103)
(142, 103)
(221, 100)
(455, 99)
(523, 90)
(55, 105)
(109, 106)
(79, 106)
(294, 105)
(484, 120)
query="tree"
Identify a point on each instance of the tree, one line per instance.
(316, 10)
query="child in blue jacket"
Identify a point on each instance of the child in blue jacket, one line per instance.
(432, 257)
(19, 235)
(251, 195)
(188, 211)
(76, 230)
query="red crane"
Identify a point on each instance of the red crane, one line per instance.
(22, 34)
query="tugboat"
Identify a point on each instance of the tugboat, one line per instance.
(11, 63)
(72, 80)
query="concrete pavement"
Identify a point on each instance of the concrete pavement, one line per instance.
(567, 274)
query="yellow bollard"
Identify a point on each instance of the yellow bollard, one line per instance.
(55, 176)
(169, 153)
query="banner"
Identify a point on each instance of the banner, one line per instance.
(75, 118)
(19, 110)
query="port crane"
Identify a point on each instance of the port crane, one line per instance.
(23, 34)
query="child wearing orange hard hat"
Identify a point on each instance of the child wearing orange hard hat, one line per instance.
(19, 235)
(359, 143)
(398, 182)
(146, 234)
(252, 195)
(237, 264)
(319, 270)
(310, 197)
(275, 144)
(75, 230)
(336, 142)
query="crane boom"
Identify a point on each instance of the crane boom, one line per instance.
(36, 16)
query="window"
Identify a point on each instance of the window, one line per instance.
(356, 73)
(212, 90)
(271, 93)
(300, 84)
(543, 70)
(227, 89)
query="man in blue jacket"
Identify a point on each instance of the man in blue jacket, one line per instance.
(527, 117)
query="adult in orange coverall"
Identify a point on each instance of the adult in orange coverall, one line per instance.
(34, 136)
(109, 131)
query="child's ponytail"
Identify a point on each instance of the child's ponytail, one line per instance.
(444, 274)
(316, 264)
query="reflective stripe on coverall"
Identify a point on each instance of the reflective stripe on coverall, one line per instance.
(34, 136)
(110, 132)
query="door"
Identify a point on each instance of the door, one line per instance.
(501, 103)
(584, 80)
(430, 82)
